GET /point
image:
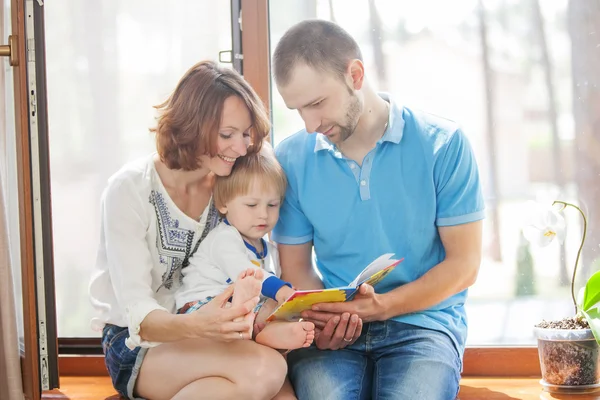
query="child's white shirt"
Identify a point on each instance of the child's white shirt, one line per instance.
(221, 257)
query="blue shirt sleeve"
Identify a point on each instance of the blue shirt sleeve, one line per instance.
(458, 188)
(271, 286)
(293, 226)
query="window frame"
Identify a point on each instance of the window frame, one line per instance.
(521, 361)
(83, 356)
(254, 68)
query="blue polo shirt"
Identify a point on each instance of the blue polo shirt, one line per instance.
(422, 174)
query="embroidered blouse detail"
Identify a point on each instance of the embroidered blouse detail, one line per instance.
(145, 243)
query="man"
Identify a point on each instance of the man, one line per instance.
(368, 176)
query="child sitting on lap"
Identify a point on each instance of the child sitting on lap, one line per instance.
(235, 251)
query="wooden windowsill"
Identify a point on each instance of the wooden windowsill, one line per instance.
(489, 373)
(481, 361)
(471, 388)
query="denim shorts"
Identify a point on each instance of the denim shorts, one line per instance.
(193, 305)
(122, 363)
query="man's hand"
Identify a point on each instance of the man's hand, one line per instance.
(367, 305)
(333, 331)
(330, 328)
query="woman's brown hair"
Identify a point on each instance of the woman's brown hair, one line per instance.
(188, 121)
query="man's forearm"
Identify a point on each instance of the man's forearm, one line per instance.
(441, 282)
(304, 281)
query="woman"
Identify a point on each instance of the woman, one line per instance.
(155, 212)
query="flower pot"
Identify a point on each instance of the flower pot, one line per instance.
(569, 359)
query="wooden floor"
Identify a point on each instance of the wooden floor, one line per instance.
(99, 388)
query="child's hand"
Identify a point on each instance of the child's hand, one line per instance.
(284, 293)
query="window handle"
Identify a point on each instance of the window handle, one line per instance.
(10, 50)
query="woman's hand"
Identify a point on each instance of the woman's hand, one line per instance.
(214, 321)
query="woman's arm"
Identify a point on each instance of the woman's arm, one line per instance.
(124, 226)
(212, 321)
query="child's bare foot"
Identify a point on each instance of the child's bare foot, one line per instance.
(287, 335)
(247, 286)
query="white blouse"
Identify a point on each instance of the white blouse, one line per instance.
(145, 239)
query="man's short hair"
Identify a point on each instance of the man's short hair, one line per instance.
(319, 44)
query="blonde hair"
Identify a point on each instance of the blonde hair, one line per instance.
(262, 168)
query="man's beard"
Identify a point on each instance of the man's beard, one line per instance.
(352, 116)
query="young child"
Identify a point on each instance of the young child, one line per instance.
(235, 251)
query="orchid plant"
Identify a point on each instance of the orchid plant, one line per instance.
(547, 224)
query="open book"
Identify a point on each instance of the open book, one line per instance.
(304, 299)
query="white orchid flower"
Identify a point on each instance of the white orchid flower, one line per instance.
(545, 224)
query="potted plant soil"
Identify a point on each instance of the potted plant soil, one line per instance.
(569, 349)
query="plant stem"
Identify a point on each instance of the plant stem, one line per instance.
(565, 204)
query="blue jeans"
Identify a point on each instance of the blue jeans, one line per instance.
(390, 360)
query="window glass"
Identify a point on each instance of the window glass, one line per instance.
(540, 142)
(108, 63)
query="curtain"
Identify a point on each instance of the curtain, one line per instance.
(10, 368)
